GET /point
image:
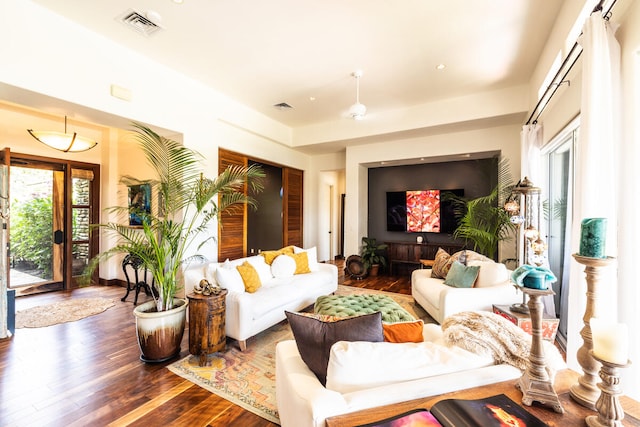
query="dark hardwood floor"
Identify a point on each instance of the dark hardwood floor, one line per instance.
(88, 372)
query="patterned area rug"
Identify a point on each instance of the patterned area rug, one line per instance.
(247, 378)
(61, 312)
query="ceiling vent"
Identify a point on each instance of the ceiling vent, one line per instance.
(283, 106)
(145, 24)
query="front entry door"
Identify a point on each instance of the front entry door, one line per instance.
(51, 209)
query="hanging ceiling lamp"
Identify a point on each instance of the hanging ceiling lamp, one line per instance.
(357, 111)
(67, 142)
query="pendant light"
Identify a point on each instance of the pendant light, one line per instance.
(357, 111)
(66, 142)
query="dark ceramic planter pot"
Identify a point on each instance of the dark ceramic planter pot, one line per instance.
(160, 333)
(373, 271)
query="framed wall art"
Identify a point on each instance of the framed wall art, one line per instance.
(139, 203)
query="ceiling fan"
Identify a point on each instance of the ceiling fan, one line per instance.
(357, 111)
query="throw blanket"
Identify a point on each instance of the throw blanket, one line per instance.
(483, 332)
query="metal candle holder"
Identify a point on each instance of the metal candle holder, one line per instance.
(610, 412)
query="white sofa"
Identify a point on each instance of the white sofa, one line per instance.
(440, 301)
(363, 375)
(247, 314)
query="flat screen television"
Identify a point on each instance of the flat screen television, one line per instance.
(421, 211)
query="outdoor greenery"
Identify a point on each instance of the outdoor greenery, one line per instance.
(31, 234)
(190, 204)
(372, 253)
(484, 222)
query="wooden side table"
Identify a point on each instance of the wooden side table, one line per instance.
(206, 324)
(427, 263)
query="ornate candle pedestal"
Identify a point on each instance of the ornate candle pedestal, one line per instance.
(585, 391)
(610, 412)
(535, 383)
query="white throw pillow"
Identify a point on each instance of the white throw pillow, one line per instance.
(210, 272)
(283, 266)
(490, 274)
(312, 256)
(261, 266)
(229, 278)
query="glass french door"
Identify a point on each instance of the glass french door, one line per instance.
(36, 251)
(559, 164)
(52, 205)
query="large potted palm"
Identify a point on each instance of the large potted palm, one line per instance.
(484, 222)
(170, 237)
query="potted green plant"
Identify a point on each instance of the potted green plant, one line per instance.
(372, 255)
(189, 205)
(484, 221)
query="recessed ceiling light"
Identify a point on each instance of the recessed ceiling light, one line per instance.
(440, 67)
(178, 1)
(312, 98)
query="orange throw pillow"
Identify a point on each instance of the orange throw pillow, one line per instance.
(403, 331)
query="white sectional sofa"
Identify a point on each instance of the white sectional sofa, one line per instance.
(250, 313)
(440, 300)
(363, 375)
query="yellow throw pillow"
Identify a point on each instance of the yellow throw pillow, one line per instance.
(287, 250)
(269, 256)
(249, 276)
(302, 262)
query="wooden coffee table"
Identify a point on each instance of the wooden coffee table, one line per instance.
(574, 413)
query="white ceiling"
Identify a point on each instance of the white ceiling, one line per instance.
(265, 52)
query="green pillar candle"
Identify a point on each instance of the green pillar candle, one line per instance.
(593, 234)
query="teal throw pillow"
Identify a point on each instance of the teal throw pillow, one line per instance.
(462, 276)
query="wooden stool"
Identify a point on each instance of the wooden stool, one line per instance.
(427, 263)
(206, 324)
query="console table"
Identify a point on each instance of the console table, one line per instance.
(412, 252)
(574, 413)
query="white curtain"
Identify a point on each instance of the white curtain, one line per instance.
(628, 229)
(530, 166)
(596, 178)
(530, 143)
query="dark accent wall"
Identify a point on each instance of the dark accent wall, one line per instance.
(476, 177)
(264, 226)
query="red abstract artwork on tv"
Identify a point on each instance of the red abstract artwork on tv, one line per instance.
(423, 211)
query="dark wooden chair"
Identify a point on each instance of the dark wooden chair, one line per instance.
(141, 275)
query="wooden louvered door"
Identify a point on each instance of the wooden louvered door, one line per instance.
(292, 184)
(232, 226)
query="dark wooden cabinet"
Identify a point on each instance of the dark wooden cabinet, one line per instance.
(412, 252)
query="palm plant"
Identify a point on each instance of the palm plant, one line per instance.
(188, 207)
(484, 221)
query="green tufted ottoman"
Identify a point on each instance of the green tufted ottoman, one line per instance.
(353, 305)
